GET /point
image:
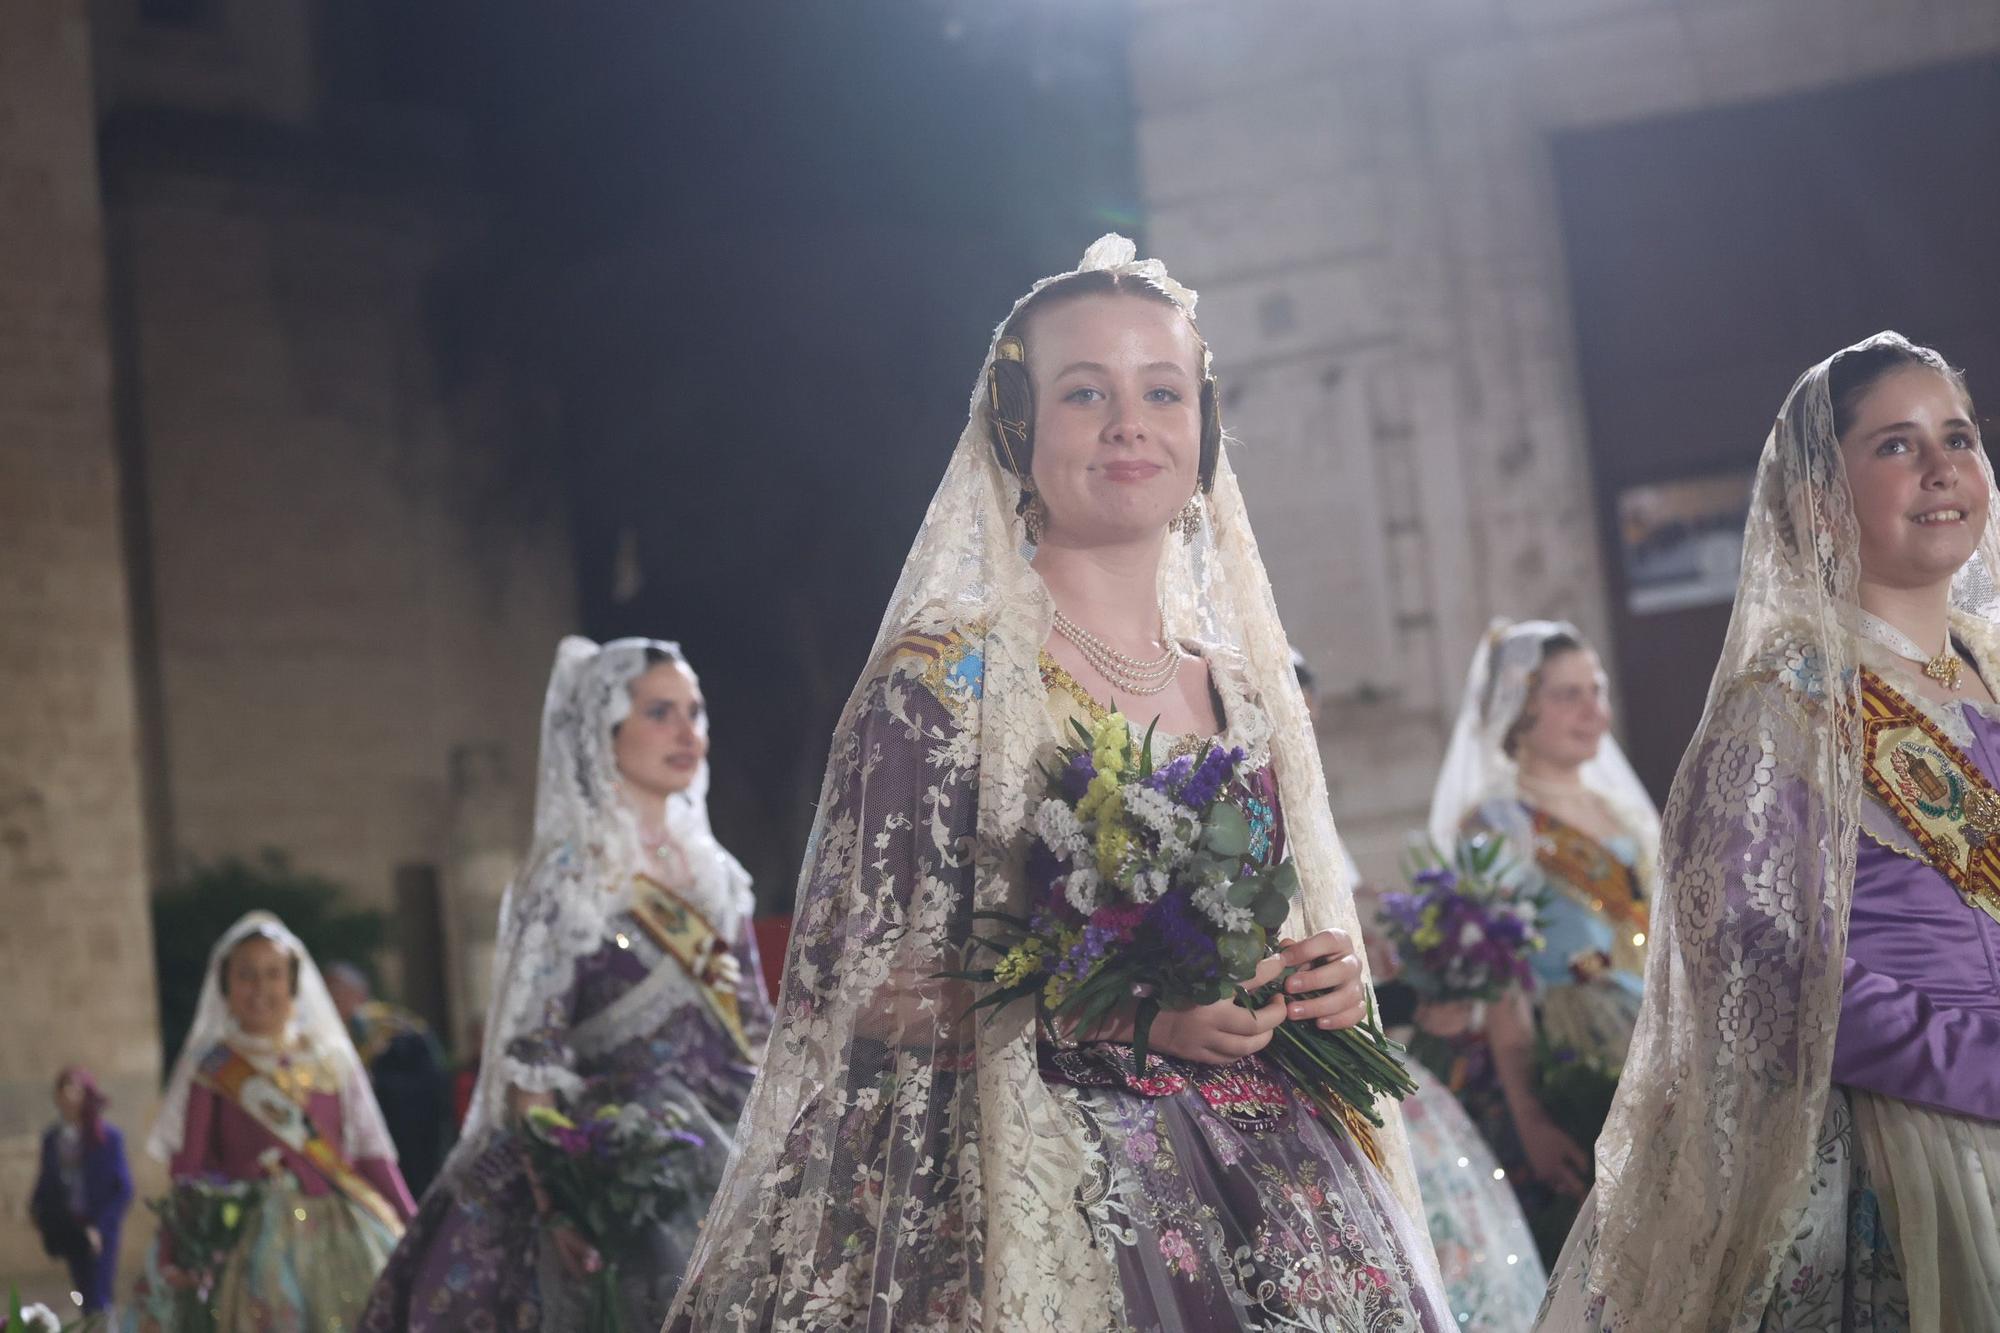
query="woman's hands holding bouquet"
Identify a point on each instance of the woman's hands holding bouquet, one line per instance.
(1226, 1031)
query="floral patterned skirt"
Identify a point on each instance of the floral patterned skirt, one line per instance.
(469, 1258)
(1839, 1274)
(477, 1260)
(1228, 1204)
(1491, 1271)
(303, 1264)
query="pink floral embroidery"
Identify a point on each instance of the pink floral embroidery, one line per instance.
(1178, 1253)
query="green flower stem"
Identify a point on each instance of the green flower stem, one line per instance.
(606, 1313)
(1357, 1065)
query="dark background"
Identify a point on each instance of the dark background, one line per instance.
(749, 263)
(1715, 256)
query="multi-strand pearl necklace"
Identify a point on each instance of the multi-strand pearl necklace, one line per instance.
(1128, 674)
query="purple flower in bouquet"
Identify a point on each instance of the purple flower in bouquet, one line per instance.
(1077, 775)
(1085, 954)
(1188, 944)
(1207, 781)
(1042, 867)
(1170, 777)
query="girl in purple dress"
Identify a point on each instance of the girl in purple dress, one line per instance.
(1807, 1136)
(268, 1089)
(626, 973)
(905, 1163)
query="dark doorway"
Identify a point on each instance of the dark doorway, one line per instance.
(1715, 256)
(420, 941)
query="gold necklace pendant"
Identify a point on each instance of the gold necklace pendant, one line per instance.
(1946, 669)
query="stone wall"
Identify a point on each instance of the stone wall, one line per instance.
(343, 597)
(75, 953)
(1362, 192)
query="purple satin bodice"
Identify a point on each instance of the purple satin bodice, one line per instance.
(1920, 1005)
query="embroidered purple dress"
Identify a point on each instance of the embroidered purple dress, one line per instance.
(1229, 1204)
(636, 1030)
(1919, 1022)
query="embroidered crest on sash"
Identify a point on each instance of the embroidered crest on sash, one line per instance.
(1935, 792)
(686, 936)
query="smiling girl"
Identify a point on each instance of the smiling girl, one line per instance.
(1808, 1132)
(1532, 760)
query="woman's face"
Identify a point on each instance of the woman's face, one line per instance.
(1117, 416)
(660, 745)
(260, 986)
(69, 1099)
(1913, 470)
(1568, 712)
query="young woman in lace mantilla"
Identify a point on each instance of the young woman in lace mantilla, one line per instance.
(1532, 760)
(625, 974)
(1807, 1136)
(268, 1090)
(906, 1163)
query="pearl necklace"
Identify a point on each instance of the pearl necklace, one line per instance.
(1945, 668)
(1127, 674)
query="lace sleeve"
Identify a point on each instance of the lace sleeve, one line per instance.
(545, 932)
(897, 843)
(1748, 957)
(868, 1065)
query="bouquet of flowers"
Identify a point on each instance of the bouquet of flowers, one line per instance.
(1143, 890)
(201, 1221)
(1470, 924)
(609, 1175)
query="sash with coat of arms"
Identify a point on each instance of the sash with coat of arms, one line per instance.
(1935, 792)
(686, 936)
(280, 1111)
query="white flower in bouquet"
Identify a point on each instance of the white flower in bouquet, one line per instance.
(1057, 826)
(1212, 901)
(1085, 889)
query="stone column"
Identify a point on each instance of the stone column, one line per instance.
(76, 967)
(485, 848)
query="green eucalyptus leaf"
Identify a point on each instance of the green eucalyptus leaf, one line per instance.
(1240, 951)
(1225, 831)
(1271, 909)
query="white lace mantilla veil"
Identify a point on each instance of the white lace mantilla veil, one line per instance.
(1477, 769)
(579, 872)
(1703, 1165)
(315, 1020)
(1019, 1158)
